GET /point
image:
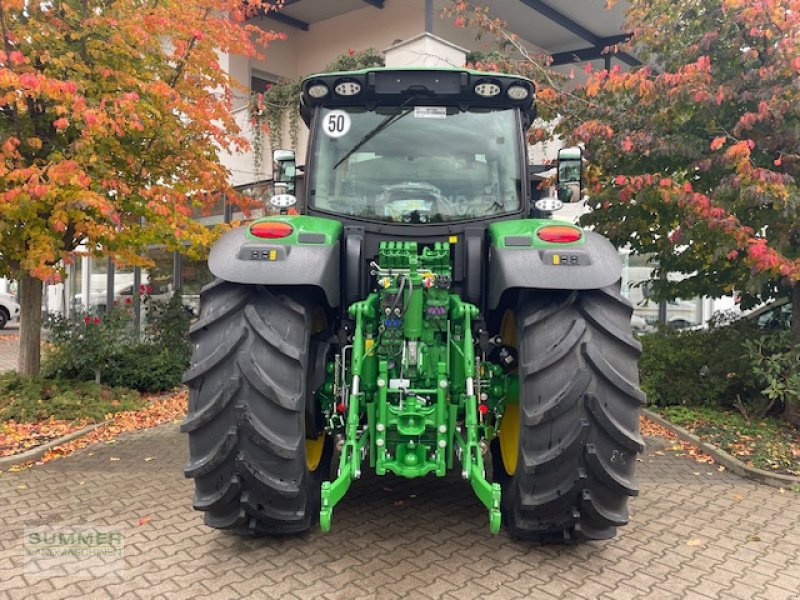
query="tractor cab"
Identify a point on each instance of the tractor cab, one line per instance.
(417, 147)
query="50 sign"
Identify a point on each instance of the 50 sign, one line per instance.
(336, 124)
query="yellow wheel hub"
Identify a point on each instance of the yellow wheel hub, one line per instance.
(509, 426)
(314, 448)
(509, 438)
(319, 320)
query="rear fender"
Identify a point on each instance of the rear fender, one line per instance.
(308, 256)
(518, 258)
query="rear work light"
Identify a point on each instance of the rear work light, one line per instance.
(348, 88)
(517, 92)
(318, 90)
(487, 89)
(559, 234)
(271, 229)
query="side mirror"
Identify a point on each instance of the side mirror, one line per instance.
(570, 174)
(284, 171)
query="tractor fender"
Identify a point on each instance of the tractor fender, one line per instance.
(592, 264)
(308, 257)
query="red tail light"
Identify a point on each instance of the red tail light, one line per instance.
(559, 234)
(271, 229)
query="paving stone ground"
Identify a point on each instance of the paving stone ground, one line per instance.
(695, 532)
(9, 348)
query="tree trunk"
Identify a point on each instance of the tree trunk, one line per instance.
(30, 328)
(796, 314)
(792, 410)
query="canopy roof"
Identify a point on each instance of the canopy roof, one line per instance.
(570, 30)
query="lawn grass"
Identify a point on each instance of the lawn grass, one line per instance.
(769, 443)
(34, 399)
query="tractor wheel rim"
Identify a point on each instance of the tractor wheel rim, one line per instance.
(509, 438)
(314, 449)
(509, 426)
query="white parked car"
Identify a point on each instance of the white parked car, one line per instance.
(9, 309)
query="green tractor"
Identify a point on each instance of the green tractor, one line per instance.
(423, 314)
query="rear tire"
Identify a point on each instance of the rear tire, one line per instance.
(248, 403)
(579, 417)
(4, 318)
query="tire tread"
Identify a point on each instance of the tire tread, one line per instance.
(579, 403)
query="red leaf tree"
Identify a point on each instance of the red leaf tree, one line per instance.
(113, 115)
(696, 158)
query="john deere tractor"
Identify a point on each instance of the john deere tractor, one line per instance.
(422, 315)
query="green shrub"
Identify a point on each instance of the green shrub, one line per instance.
(30, 399)
(710, 366)
(672, 368)
(88, 347)
(147, 368)
(168, 327)
(83, 346)
(776, 365)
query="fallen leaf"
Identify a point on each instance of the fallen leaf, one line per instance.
(752, 537)
(658, 453)
(695, 542)
(697, 472)
(149, 458)
(114, 458)
(22, 487)
(738, 497)
(144, 520)
(398, 503)
(161, 409)
(721, 468)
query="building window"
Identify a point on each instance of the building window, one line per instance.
(260, 82)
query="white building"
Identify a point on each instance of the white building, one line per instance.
(317, 31)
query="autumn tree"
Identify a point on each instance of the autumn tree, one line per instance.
(698, 156)
(695, 157)
(113, 114)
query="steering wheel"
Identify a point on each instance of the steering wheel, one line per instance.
(404, 200)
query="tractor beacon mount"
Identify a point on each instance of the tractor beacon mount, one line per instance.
(422, 314)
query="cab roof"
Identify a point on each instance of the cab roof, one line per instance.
(384, 86)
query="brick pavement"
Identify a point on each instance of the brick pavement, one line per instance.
(9, 348)
(745, 538)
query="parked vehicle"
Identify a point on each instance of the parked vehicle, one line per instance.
(776, 315)
(9, 309)
(414, 318)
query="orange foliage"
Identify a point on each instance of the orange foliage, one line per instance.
(162, 409)
(123, 108)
